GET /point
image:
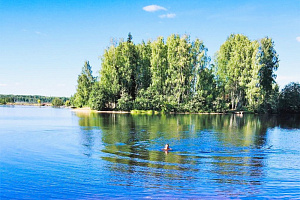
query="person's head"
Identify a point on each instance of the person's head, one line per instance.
(167, 146)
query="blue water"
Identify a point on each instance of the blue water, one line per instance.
(52, 153)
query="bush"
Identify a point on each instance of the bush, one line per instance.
(68, 103)
(98, 98)
(57, 102)
(125, 102)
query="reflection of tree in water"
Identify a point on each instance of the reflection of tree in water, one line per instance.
(87, 123)
(243, 162)
(129, 144)
(229, 146)
(288, 121)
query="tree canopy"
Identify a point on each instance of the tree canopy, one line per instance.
(289, 100)
(84, 88)
(176, 75)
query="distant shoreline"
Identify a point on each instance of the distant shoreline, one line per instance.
(27, 104)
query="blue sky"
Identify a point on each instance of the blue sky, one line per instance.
(43, 44)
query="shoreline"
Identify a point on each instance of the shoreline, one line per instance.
(133, 112)
(150, 112)
(87, 109)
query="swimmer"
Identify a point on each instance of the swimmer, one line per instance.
(167, 148)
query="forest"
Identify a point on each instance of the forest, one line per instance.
(177, 75)
(29, 99)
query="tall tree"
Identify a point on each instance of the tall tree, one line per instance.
(84, 87)
(110, 77)
(129, 68)
(179, 73)
(233, 67)
(269, 63)
(253, 89)
(143, 73)
(159, 65)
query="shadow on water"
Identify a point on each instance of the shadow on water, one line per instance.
(222, 149)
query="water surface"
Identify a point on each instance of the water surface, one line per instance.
(52, 153)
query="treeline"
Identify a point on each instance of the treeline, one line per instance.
(177, 75)
(30, 99)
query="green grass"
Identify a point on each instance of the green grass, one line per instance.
(144, 112)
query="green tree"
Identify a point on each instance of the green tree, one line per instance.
(203, 81)
(234, 66)
(269, 63)
(158, 65)
(57, 102)
(179, 72)
(253, 89)
(143, 73)
(84, 87)
(99, 98)
(289, 99)
(67, 103)
(110, 78)
(129, 67)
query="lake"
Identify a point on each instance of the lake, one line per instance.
(55, 153)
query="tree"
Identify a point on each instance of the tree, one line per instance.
(253, 89)
(143, 73)
(234, 64)
(176, 75)
(159, 66)
(67, 103)
(269, 63)
(85, 82)
(129, 67)
(178, 60)
(57, 102)
(203, 84)
(110, 78)
(99, 97)
(289, 99)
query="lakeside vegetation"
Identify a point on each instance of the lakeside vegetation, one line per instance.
(177, 75)
(33, 100)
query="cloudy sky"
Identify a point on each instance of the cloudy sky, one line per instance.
(43, 44)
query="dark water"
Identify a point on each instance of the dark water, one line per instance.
(49, 153)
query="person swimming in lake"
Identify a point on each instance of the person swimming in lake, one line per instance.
(167, 148)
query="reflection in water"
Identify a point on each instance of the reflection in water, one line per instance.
(225, 149)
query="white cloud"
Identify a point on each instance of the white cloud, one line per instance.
(3, 84)
(170, 15)
(298, 39)
(153, 8)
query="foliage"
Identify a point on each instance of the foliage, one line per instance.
(125, 102)
(84, 88)
(57, 102)
(98, 97)
(176, 75)
(6, 99)
(245, 71)
(30, 99)
(289, 99)
(67, 103)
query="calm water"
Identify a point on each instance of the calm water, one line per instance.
(51, 153)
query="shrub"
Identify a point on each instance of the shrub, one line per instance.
(57, 102)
